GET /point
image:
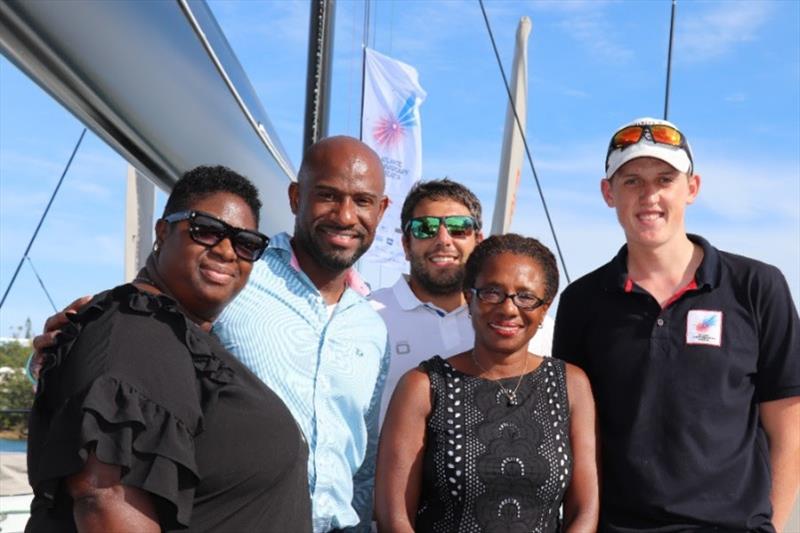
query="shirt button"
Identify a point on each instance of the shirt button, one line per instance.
(660, 322)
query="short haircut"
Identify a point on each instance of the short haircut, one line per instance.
(205, 180)
(518, 245)
(444, 189)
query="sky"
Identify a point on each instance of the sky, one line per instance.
(593, 66)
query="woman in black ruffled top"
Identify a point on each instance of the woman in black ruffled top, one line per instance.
(494, 439)
(142, 421)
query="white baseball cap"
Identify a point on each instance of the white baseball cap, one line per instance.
(678, 156)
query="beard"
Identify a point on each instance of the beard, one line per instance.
(441, 283)
(332, 259)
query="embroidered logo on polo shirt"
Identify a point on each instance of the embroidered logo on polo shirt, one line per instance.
(704, 327)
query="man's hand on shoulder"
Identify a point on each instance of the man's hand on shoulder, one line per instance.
(52, 327)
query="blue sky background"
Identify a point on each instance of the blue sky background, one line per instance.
(593, 65)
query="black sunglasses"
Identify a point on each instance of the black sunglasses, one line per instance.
(428, 227)
(526, 301)
(210, 231)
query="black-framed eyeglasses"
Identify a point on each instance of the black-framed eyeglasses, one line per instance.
(209, 231)
(428, 227)
(526, 301)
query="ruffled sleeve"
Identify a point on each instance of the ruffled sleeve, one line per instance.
(154, 448)
(146, 433)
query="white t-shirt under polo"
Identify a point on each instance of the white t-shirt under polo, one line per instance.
(418, 331)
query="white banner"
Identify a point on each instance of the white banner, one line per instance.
(391, 126)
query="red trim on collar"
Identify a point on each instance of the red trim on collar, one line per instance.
(628, 285)
(689, 286)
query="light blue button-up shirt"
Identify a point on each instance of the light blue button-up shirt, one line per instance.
(329, 371)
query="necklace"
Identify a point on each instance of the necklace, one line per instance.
(511, 395)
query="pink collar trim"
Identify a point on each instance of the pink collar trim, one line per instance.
(352, 278)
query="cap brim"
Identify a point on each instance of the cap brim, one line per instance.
(674, 156)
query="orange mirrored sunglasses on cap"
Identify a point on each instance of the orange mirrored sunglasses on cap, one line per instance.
(656, 133)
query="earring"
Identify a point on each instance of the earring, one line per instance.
(540, 326)
(155, 248)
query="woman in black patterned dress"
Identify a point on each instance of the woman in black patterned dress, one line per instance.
(494, 439)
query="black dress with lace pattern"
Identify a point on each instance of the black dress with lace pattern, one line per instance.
(490, 466)
(144, 388)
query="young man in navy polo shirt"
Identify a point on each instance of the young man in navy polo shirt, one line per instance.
(693, 354)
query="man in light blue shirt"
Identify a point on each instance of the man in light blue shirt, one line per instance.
(303, 325)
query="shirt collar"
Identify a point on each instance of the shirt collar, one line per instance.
(405, 296)
(283, 242)
(710, 269)
(707, 274)
(409, 301)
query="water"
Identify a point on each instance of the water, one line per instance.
(8, 445)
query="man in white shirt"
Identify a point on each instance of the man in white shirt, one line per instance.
(425, 311)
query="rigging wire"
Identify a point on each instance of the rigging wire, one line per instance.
(524, 141)
(41, 283)
(669, 60)
(41, 220)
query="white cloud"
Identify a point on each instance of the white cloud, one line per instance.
(576, 93)
(31, 165)
(556, 86)
(436, 23)
(95, 190)
(776, 245)
(467, 159)
(591, 28)
(283, 22)
(736, 98)
(719, 30)
(737, 189)
(572, 159)
(16, 202)
(571, 6)
(74, 248)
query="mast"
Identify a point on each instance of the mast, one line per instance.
(511, 155)
(318, 77)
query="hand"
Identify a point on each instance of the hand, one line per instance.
(52, 327)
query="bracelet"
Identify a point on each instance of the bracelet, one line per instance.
(28, 373)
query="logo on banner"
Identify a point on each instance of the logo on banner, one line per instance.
(390, 129)
(704, 327)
